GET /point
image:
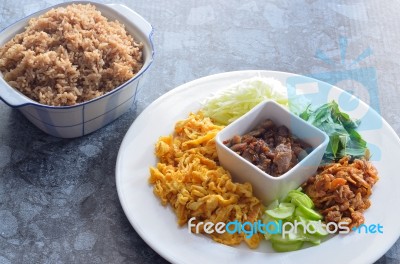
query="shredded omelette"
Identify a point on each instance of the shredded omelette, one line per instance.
(189, 178)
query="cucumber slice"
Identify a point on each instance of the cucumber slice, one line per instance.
(307, 213)
(299, 198)
(270, 230)
(312, 239)
(287, 247)
(273, 205)
(295, 208)
(288, 239)
(302, 200)
(320, 230)
(283, 211)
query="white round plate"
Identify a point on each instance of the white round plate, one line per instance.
(157, 224)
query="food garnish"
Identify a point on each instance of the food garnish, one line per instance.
(344, 140)
(272, 148)
(189, 178)
(233, 102)
(295, 207)
(341, 191)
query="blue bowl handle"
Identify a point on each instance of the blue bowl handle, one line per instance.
(11, 96)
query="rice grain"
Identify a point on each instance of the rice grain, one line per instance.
(70, 55)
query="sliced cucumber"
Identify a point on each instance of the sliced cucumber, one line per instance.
(283, 211)
(280, 247)
(308, 213)
(295, 208)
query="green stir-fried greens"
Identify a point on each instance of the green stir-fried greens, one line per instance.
(344, 140)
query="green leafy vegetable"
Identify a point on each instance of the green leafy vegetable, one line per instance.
(344, 140)
(230, 104)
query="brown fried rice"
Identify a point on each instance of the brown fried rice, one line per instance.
(70, 55)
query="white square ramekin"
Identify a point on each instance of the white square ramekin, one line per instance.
(265, 186)
(84, 118)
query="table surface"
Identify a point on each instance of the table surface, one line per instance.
(58, 199)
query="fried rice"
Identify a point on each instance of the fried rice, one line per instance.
(70, 55)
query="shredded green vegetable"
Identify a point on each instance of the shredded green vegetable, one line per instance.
(233, 102)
